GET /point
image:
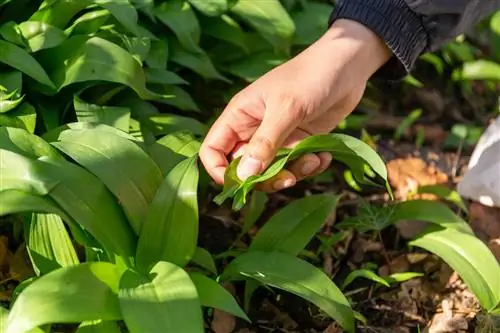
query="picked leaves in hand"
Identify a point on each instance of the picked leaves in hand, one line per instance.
(365, 164)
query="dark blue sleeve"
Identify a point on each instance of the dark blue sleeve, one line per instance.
(413, 27)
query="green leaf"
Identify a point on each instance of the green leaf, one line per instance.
(253, 210)
(182, 143)
(158, 54)
(179, 97)
(11, 80)
(481, 69)
(356, 154)
(199, 62)
(162, 76)
(81, 59)
(4, 313)
(181, 19)
(469, 257)
(120, 164)
(7, 103)
(402, 277)
(204, 259)
(495, 23)
(166, 300)
(48, 243)
(269, 18)
(163, 237)
(59, 13)
(89, 23)
(429, 211)
(285, 271)
(225, 28)
(77, 192)
(171, 123)
(445, 193)
(311, 22)
(118, 117)
(23, 117)
(210, 7)
(364, 273)
(11, 33)
(14, 56)
(255, 65)
(213, 295)
(40, 35)
(98, 326)
(90, 292)
(292, 228)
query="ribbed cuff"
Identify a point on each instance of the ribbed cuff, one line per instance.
(395, 23)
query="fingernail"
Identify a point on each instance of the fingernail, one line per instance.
(247, 167)
(308, 168)
(283, 183)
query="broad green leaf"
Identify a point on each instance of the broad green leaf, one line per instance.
(182, 142)
(255, 65)
(162, 76)
(90, 292)
(225, 28)
(199, 62)
(179, 98)
(445, 193)
(54, 134)
(269, 18)
(24, 117)
(40, 35)
(292, 228)
(59, 13)
(364, 273)
(98, 326)
(311, 22)
(356, 154)
(14, 56)
(170, 123)
(158, 54)
(469, 257)
(80, 59)
(165, 300)
(120, 164)
(285, 271)
(204, 259)
(429, 211)
(210, 7)
(77, 192)
(48, 243)
(170, 231)
(213, 295)
(481, 69)
(11, 33)
(11, 80)
(181, 19)
(89, 23)
(4, 314)
(118, 117)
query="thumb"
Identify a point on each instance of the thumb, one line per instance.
(278, 123)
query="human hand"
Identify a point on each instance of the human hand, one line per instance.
(308, 95)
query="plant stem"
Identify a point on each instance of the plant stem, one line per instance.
(384, 251)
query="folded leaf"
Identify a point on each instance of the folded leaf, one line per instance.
(118, 117)
(356, 154)
(40, 35)
(285, 271)
(90, 292)
(181, 19)
(213, 295)
(170, 231)
(166, 300)
(292, 228)
(469, 257)
(14, 56)
(48, 242)
(120, 164)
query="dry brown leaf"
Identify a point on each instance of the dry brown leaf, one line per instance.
(20, 266)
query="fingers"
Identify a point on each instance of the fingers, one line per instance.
(278, 123)
(284, 179)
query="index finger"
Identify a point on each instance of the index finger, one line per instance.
(219, 142)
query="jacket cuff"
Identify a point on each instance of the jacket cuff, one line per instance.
(395, 23)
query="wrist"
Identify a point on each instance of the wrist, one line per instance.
(351, 44)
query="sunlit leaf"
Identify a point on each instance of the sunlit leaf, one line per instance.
(364, 273)
(44, 301)
(118, 117)
(285, 271)
(98, 326)
(164, 300)
(40, 35)
(210, 7)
